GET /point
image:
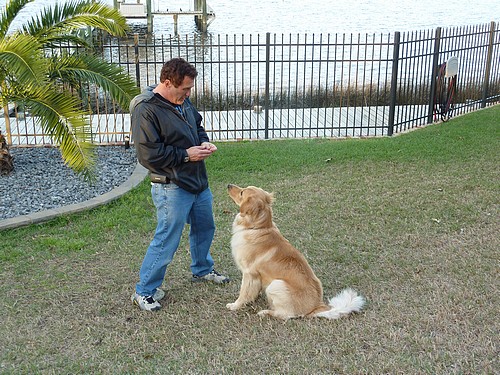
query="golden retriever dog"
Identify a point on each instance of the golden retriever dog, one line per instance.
(270, 264)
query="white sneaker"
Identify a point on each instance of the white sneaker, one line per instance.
(159, 294)
(213, 276)
(147, 303)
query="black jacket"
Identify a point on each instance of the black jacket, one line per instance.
(161, 137)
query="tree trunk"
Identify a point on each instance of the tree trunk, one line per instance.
(6, 159)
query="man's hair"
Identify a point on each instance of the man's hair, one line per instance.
(175, 70)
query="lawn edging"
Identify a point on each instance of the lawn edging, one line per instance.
(135, 179)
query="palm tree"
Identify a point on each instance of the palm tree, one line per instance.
(49, 84)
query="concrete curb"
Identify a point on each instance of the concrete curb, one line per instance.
(135, 179)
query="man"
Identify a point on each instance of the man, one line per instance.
(172, 144)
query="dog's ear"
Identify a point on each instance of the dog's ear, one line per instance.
(251, 207)
(257, 211)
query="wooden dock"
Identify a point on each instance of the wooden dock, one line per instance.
(203, 14)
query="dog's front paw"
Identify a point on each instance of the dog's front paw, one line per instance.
(233, 306)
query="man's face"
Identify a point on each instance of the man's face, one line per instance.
(177, 95)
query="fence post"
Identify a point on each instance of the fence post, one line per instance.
(487, 71)
(266, 92)
(394, 84)
(136, 60)
(434, 72)
(7, 124)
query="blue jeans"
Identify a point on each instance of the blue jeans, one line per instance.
(174, 208)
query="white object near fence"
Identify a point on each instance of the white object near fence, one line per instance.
(451, 67)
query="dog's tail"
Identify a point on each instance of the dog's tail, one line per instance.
(344, 303)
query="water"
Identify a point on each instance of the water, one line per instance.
(313, 16)
(339, 16)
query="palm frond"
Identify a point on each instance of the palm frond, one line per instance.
(109, 77)
(66, 124)
(12, 9)
(102, 17)
(21, 56)
(55, 24)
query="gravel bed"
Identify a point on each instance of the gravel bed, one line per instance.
(40, 180)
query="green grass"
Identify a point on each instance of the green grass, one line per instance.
(411, 222)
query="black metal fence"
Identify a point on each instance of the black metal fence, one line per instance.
(283, 86)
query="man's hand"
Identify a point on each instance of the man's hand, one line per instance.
(197, 153)
(209, 146)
